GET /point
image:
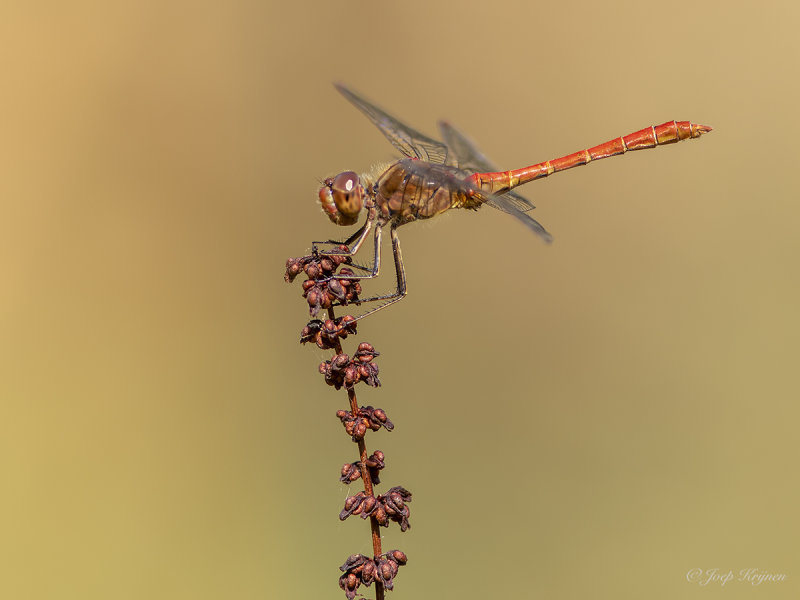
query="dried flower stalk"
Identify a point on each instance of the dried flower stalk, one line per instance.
(324, 289)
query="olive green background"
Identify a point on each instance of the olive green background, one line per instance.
(592, 419)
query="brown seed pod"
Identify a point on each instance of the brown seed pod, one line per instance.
(360, 430)
(351, 375)
(353, 505)
(395, 500)
(314, 296)
(293, 268)
(350, 472)
(326, 301)
(349, 582)
(347, 325)
(375, 460)
(312, 270)
(339, 362)
(369, 504)
(380, 516)
(351, 502)
(368, 573)
(323, 342)
(336, 289)
(353, 562)
(386, 570)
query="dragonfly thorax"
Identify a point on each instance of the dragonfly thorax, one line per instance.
(414, 189)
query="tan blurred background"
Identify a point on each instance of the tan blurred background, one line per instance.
(591, 419)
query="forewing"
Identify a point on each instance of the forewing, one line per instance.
(472, 160)
(409, 141)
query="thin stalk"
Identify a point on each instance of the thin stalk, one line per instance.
(365, 476)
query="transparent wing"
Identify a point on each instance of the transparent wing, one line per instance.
(472, 160)
(468, 156)
(520, 215)
(409, 141)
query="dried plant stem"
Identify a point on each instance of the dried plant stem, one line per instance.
(324, 289)
(365, 476)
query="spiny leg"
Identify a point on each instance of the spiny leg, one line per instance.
(376, 263)
(353, 243)
(360, 232)
(401, 291)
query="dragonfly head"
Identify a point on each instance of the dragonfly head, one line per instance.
(342, 198)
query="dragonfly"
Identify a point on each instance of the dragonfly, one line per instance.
(435, 176)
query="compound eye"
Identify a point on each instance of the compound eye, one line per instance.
(344, 183)
(348, 196)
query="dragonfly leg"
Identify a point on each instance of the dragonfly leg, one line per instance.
(354, 242)
(376, 263)
(401, 291)
(359, 232)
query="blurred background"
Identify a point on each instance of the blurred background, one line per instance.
(595, 418)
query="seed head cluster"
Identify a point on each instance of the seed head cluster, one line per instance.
(352, 471)
(359, 569)
(341, 370)
(326, 334)
(390, 506)
(367, 418)
(323, 289)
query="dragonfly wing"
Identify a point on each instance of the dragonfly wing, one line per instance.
(409, 141)
(529, 222)
(468, 156)
(472, 160)
(510, 200)
(520, 215)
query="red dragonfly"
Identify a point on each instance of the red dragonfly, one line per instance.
(436, 176)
